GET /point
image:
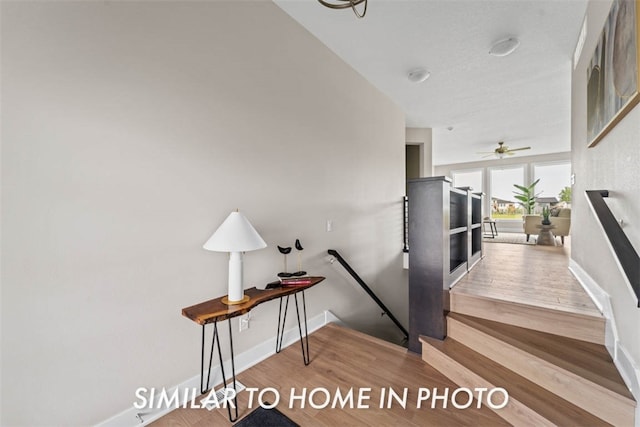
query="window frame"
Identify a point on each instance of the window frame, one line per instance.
(470, 170)
(525, 174)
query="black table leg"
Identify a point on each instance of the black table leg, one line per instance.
(233, 375)
(204, 389)
(282, 318)
(304, 341)
(215, 341)
(492, 228)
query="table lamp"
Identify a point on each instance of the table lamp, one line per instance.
(236, 235)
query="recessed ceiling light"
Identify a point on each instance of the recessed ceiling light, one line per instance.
(418, 75)
(504, 47)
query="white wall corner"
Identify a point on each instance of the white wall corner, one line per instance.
(627, 367)
(329, 317)
(243, 361)
(598, 295)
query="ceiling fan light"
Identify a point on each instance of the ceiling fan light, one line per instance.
(418, 75)
(344, 4)
(504, 47)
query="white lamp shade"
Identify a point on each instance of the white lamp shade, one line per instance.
(235, 234)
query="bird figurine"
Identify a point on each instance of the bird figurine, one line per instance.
(299, 247)
(284, 251)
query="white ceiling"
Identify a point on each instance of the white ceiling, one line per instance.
(523, 99)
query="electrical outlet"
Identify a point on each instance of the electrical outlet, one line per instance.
(244, 321)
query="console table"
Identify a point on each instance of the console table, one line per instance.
(214, 311)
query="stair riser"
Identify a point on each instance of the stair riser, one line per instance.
(515, 412)
(581, 327)
(593, 398)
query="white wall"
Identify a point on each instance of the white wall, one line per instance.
(613, 164)
(129, 132)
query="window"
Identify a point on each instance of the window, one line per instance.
(554, 178)
(503, 203)
(468, 178)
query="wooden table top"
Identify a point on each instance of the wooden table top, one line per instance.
(215, 310)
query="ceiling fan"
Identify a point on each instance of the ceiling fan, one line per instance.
(502, 150)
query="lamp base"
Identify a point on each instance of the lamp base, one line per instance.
(245, 298)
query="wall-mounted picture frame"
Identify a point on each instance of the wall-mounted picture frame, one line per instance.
(613, 75)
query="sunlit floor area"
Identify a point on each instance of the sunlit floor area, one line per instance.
(528, 274)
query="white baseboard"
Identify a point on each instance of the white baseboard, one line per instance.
(245, 360)
(627, 367)
(601, 299)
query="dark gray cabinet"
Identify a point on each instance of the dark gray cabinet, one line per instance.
(445, 241)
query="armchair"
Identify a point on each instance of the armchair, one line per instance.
(529, 223)
(562, 223)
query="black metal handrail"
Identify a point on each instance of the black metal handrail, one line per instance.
(405, 224)
(368, 290)
(624, 250)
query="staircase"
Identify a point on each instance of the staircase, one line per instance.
(566, 378)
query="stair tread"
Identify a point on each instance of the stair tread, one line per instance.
(540, 400)
(579, 308)
(588, 360)
(570, 324)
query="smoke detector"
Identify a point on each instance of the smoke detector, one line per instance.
(418, 75)
(504, 47)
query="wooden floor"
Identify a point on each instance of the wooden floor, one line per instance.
(528, 274)
(343, 358)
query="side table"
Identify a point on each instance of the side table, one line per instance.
(493, 229)
(214, 311)
(546, 237)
